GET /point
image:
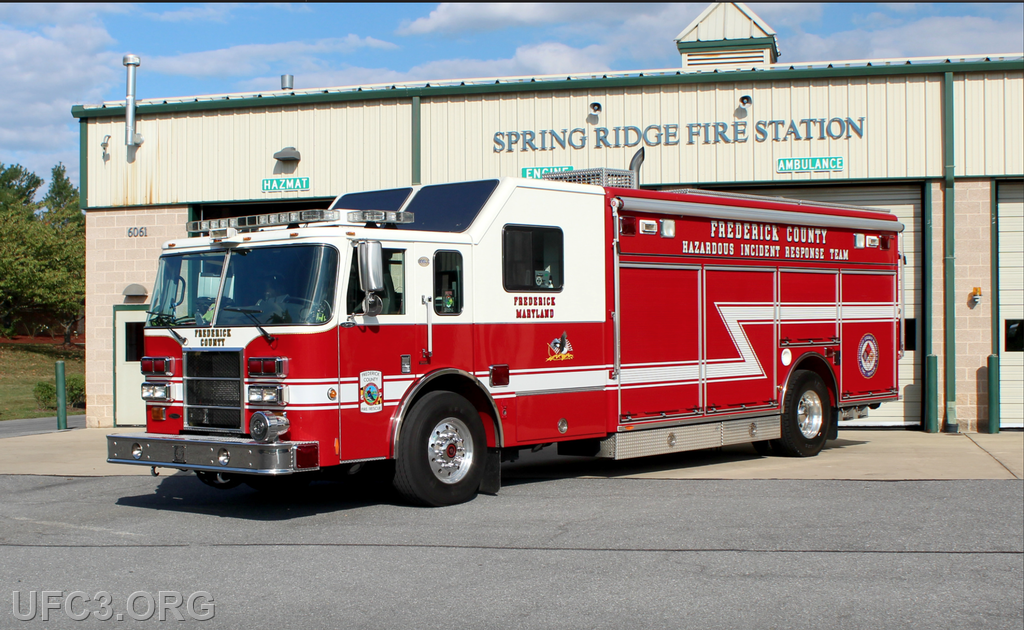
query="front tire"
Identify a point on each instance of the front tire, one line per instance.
(441, 451)
(806, 417)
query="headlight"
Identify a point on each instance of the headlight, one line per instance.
(154, 391)
(270, 394)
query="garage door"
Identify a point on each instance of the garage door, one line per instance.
(1011, 303)
(905, 202)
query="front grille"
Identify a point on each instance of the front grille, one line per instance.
(213, 365)
(213, 390)
(202, 418)
(214, 393)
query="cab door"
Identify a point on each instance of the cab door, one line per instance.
(378, 354)
(444, 329)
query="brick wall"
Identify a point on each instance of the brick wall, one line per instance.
(113, 260)
(973, 323)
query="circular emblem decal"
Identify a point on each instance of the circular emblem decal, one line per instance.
(867, 355)
(371, 395)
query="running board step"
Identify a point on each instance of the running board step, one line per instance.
(692, 437)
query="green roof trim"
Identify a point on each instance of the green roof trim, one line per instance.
(79, 111)
(730, 44)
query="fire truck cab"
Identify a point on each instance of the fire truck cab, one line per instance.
(443, 326)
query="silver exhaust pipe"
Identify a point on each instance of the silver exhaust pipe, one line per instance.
(634, 165)
(130, 137)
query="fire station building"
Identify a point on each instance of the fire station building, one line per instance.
(937, 141)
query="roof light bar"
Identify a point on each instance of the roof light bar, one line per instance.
(256, 221)
(380, 216)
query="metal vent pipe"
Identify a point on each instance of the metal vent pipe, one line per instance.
(287, 82)
(130, 137)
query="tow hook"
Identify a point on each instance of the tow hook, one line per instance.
(152, 471)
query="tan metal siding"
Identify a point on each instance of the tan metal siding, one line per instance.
(988, 113)
(224, 155)
(1011, 300)
(902, 130)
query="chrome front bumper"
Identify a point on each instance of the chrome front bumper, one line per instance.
(205, 452)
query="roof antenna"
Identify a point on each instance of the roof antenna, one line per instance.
(634, 165)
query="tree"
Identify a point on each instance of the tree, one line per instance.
(64, 249)
(42, 252)
(18, 186)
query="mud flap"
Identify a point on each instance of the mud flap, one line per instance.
(833, 426)
(491, 481)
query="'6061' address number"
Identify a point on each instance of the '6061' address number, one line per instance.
(136, 231)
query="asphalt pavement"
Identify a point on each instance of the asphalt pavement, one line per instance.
(543, 553)
(883, 529)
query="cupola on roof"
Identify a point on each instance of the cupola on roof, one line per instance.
(727, 36)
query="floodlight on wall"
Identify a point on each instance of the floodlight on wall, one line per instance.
(288, 154)
(745, 102)
(594, 116)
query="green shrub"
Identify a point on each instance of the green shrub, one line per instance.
(75, 390)
(46, 395)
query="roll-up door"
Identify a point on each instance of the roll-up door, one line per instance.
(1011, 303)
(905, 202)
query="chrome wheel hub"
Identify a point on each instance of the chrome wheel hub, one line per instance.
(809, 414)
(450, 450)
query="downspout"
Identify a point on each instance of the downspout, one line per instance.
(931, 362)
(994, 416)
(416, 147)
(949, 257)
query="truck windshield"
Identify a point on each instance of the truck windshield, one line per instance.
(279, 286)
(266, 286)
(186, 289)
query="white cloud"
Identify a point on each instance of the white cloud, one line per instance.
(931, 36)
(44, 72)
(37, 14)
(248, 59)
(451, 17)
(538, 59)
(204, 12)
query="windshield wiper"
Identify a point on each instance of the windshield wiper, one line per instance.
(249, 313)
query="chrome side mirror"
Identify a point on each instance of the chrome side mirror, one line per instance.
(371, 276)
(371, 266)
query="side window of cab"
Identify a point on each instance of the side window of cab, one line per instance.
(393, 295)
(449, 282)
(532, 258)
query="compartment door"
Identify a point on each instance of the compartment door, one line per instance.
(660, 342)
(740, 337)
(869, 344)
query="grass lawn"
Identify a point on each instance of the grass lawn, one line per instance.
(22, 365)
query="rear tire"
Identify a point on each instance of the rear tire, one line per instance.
(806, 417)
(441, 451)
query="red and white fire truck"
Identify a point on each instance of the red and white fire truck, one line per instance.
(444, 326)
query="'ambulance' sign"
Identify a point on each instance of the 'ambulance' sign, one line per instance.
(279, 184)
(808, 165)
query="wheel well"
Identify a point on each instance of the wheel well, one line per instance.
(469, 388)
(813, 362)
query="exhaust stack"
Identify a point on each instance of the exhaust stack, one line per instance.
(130, 137)
(634, 165)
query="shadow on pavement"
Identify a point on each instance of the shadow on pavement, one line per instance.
(183, 492)
(332, 492)
(547, 464)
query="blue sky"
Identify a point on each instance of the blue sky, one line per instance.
(56, 56)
